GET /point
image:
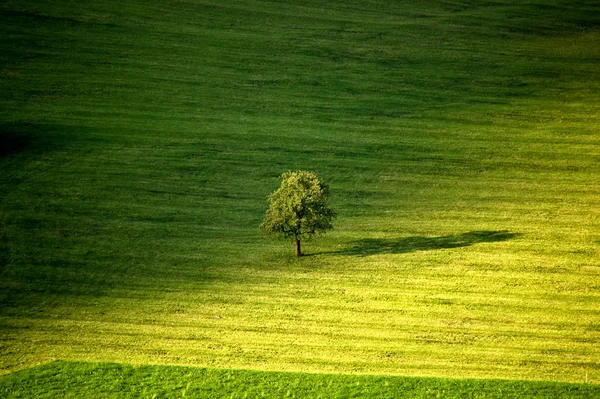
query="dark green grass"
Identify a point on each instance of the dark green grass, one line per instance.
(460, 141)
(75, 380)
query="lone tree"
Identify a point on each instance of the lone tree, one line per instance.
(298, 208)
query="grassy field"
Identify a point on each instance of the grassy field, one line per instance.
(62, 379)
(460, 141)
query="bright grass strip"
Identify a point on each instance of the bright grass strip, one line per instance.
(62, 379)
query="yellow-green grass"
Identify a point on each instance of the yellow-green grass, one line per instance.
(460, 142)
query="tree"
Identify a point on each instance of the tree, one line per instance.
(298, 208)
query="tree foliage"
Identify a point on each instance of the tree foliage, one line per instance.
(298, 209)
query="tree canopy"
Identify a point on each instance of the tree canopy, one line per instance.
(298, 209)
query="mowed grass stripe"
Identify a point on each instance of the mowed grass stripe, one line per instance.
(281, 327)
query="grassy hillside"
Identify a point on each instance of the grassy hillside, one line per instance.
(460, 141)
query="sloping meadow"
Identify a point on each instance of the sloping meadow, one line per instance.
(459, 140)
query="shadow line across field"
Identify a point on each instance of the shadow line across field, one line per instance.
(379, 246)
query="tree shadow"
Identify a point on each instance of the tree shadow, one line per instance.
(380, 246)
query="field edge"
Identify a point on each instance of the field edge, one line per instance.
(63, 378)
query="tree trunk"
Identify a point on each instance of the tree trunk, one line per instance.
(298, 252)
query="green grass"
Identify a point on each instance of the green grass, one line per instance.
(459, 139)
(61, 379)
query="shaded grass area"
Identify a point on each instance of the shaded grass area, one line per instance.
(75, 379)
(459, 140)
(10, 144)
